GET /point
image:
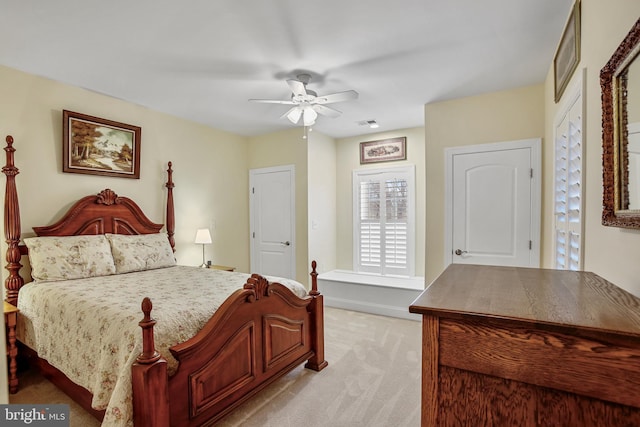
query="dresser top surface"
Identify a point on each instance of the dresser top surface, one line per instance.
(552, 297)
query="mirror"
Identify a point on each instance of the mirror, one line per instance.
(620, 83)
(630, 142)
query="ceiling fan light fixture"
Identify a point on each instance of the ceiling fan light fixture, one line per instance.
(307, 104)
(309, 117)
(294, 115)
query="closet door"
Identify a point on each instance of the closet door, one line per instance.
(492, 208)
(272, 205)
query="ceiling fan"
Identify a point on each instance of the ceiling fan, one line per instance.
(307, 104)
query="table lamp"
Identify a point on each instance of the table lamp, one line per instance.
(203, 237)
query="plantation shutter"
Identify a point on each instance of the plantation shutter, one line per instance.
(396, 224)
(370, 226)
(384, 221)
(568, 189)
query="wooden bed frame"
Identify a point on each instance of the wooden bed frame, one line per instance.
(257, 335)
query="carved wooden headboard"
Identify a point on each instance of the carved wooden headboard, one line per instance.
(105, 212)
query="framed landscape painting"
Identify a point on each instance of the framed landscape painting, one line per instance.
(96, 146)
(384, 150)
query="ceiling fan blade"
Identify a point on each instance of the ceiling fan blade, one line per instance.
(336, 97)
(293, 114)
(297, 87)
(327, 111)
(273, 101)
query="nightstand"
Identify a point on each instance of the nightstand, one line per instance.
(221, 267)
(10, 320)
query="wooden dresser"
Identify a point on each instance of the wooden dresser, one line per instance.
(507, 346)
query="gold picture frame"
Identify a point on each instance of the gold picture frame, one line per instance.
(95, 146)
(567, 55)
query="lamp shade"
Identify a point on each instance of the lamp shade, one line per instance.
(309, 117)
(294, 115)
(203, 236)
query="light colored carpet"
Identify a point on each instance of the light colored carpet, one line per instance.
(37, 390)
(373, 379)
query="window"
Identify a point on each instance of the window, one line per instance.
(384, 221)
(568, 189)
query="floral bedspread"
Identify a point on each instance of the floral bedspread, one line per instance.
(88, 328)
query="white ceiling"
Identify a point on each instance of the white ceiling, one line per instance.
(203, 59)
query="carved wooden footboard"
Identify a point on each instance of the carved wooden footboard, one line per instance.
(260, 333)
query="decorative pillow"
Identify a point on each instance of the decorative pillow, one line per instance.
(141, 252)
(56, 258)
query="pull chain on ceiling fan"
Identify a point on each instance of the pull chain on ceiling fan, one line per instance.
(307, 104)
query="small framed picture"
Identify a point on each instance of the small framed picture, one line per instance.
(567, 56)
(384, 150)
(95, 146)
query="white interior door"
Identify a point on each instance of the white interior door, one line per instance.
(494, 204)
(272, 204)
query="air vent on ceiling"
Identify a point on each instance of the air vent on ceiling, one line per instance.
(371, 123)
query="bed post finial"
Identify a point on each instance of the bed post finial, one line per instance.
(171, 219)
(314, 280)
(149, 379)
(14, 282)
(149, 353)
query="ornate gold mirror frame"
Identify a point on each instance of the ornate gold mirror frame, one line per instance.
(615, 160)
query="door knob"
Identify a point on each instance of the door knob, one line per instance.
(460, 252)
(287, 243)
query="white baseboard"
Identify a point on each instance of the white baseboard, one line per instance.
(383, 310)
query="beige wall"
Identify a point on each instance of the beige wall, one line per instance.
(210, 166)
(495, 117)
(348, 160)
(610, 252)
(322, 201)
(288, 148)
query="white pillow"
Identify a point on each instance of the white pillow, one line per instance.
(141, 252)
(56, 258)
